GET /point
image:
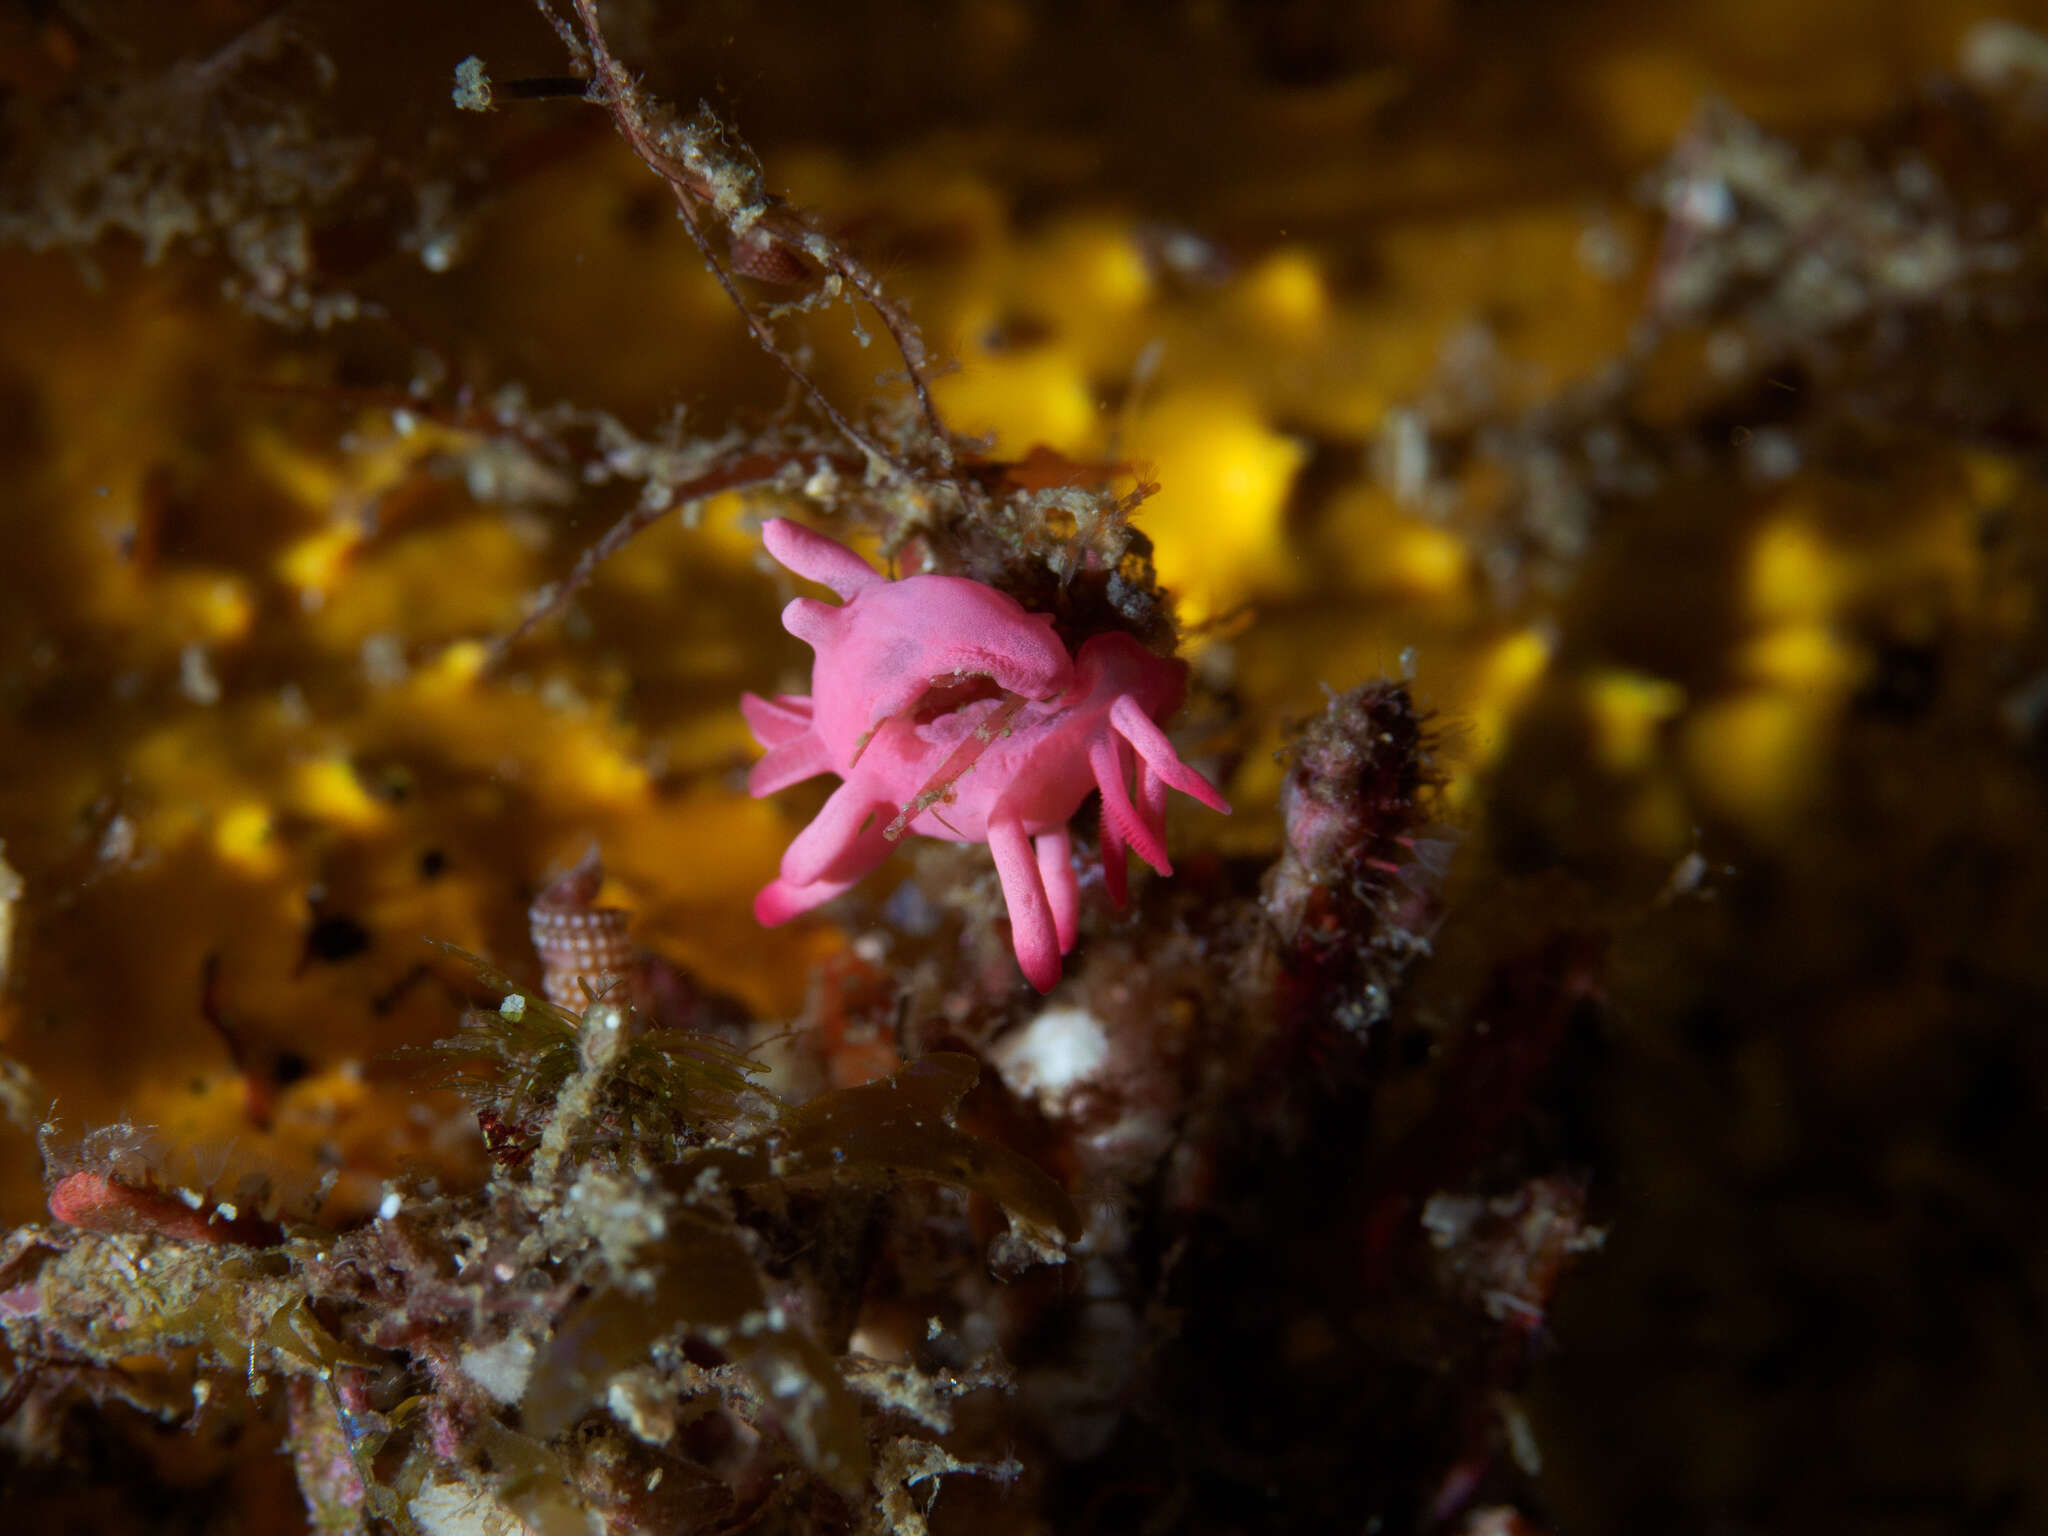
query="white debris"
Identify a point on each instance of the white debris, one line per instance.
(450, 1507)
(2001, 53)
(637, 1400)
(1052, 1055)
(472, 91)
(501, 1369)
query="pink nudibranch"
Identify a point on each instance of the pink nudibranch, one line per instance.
(949, 710)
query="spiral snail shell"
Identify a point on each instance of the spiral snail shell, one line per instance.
(584, 949)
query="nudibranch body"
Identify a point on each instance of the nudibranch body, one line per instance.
(948, 710)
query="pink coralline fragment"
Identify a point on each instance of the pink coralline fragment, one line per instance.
(23, 1301)
(97, 1203)
(947, 709)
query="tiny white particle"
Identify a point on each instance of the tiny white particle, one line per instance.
(195, 676)
(390, 1205)
(1706, 201)
(383, 659)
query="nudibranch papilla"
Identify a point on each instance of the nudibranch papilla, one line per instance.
(947, 709)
